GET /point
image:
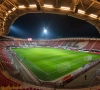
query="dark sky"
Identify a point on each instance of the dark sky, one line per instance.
(31, 25)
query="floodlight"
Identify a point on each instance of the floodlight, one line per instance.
(14, 9)
(93, 15)
(9, 11)
(81, 11)
(21, 6)
(32, 5)
(65, 8)
(6, 14)
(45, 31)
(48, 6)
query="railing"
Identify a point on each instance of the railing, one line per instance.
(65, 82)
(20, 74)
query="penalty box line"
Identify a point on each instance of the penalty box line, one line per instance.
(56, 71)
(39, 68)
(51, 72)
(44, 71)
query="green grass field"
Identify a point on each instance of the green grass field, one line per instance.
(51, 63)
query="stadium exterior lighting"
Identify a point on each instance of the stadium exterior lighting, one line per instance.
(14, 9)
(81, 11)
(48, 6)
(32, 6)
(21, 6)
(93, 15)
(65, 8)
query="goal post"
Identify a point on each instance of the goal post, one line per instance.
(63, 67)
(87, 58)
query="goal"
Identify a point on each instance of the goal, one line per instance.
(63, 67)
(88, 58)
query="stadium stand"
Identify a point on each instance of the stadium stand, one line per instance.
(16, 43)
(70, 44)
(10, 43)
(82, 44)
(4, 81)
(75, 44)
(6, 61)
(65, 42)
(90, 45)
(62, 42)
(96, 46)
(12, 78)
(12, 9)
(1, 44)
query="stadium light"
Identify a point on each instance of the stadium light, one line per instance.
(45, 31)
(9, 11)
(81, 11)
(65, 8)
(6, 14)
(13, 8)
(93, 15)
(21, 6)
(48, 6)
(32, 5)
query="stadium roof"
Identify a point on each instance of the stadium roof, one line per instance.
(88, 10)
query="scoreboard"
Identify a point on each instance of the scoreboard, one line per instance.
(29, 39)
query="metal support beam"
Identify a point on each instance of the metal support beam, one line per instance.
(41, 2)
(98, 12)
(27, 1)
(89, 5)
(11, 3)
(56, 3)
(38, 5)
(73, 4)
(1, 17)
(82, 4)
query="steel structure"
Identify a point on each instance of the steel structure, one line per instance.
(88, 10)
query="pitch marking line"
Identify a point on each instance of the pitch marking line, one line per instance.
(39, 68)
(56, 71)
(51, 72)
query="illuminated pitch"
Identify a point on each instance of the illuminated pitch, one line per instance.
(52, 63)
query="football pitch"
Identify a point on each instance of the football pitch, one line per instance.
(51, 63)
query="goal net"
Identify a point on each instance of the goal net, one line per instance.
(88, 58)
(63, 67)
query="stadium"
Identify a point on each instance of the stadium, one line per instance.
(49, 64)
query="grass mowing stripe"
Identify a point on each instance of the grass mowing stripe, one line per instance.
(44, 61)
(36, 70)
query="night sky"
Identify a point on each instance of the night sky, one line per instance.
(31, 25)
